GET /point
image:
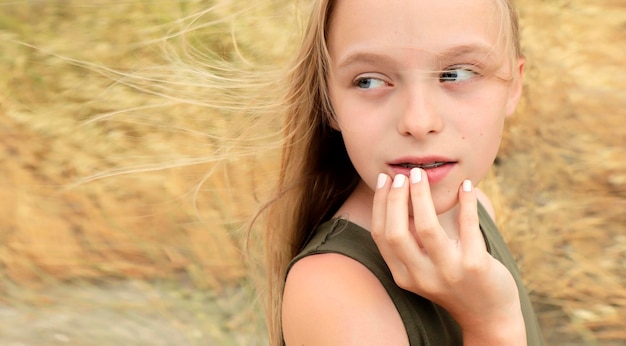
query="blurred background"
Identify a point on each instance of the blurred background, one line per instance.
(125, 185)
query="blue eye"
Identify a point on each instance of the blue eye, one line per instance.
(369, 83)
(456, 75)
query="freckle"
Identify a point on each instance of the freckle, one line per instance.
(463, 137)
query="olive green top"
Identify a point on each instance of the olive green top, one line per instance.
(425, 322)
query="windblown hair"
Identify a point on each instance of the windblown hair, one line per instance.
(316, 175)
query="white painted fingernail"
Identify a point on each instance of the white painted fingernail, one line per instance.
(416, 175)
(382, 179)
(467, 185)
(399, 180)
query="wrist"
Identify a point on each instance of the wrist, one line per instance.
(507, 330)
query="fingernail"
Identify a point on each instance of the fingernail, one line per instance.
(467, 185)
(416, 175)
(399, 180)
(382, 179)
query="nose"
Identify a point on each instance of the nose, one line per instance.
(420, 113)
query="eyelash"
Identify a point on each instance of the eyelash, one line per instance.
(358, 81)
(448, 79)
(444, 77)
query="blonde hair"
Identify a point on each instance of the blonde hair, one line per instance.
(316, 174)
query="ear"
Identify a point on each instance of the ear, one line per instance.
(515, 89)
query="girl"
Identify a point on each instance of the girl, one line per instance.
(378, 235)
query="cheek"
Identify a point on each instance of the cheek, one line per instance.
(483, 149)
(361, 123)
(484, 135)
(481, 118)
(481, 130)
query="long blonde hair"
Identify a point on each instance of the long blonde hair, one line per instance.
(316, 174)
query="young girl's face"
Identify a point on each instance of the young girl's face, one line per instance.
(421, 83)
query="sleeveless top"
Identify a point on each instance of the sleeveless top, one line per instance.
(425, 322)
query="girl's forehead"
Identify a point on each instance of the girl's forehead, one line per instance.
(435, 27)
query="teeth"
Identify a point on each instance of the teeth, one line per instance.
(424, 165)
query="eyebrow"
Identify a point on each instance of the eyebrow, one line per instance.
(455, 52)
(364, 58)
(468, 49)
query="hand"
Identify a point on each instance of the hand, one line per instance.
(457, 274)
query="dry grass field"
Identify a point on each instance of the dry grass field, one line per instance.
(113, 141)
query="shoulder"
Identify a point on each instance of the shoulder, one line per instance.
(484, 200)
(331, 299)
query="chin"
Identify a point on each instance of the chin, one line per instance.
(445, 203)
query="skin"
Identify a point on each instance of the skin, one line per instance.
(425, 82)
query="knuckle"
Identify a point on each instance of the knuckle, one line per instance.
(406, 282)
(428, 287)
(394, 238)
(378, 235)
(403, 282)
(452, 278)
(428, 231)
(474, 266)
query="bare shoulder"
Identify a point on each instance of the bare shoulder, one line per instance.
(330, 299)
(484, 200)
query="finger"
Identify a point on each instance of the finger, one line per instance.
(379, 218)
(379, 224)
(432, 237)
(398, 243)
(470, 236)
(379, 208)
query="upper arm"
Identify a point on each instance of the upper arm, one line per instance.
(330, 299)
(484, 200)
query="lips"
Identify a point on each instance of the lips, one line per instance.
(437, 168)
(423, 165)
(426, 162)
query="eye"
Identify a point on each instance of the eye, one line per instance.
(369, 83)
(456, 75)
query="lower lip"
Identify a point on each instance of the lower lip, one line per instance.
(435, 174)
